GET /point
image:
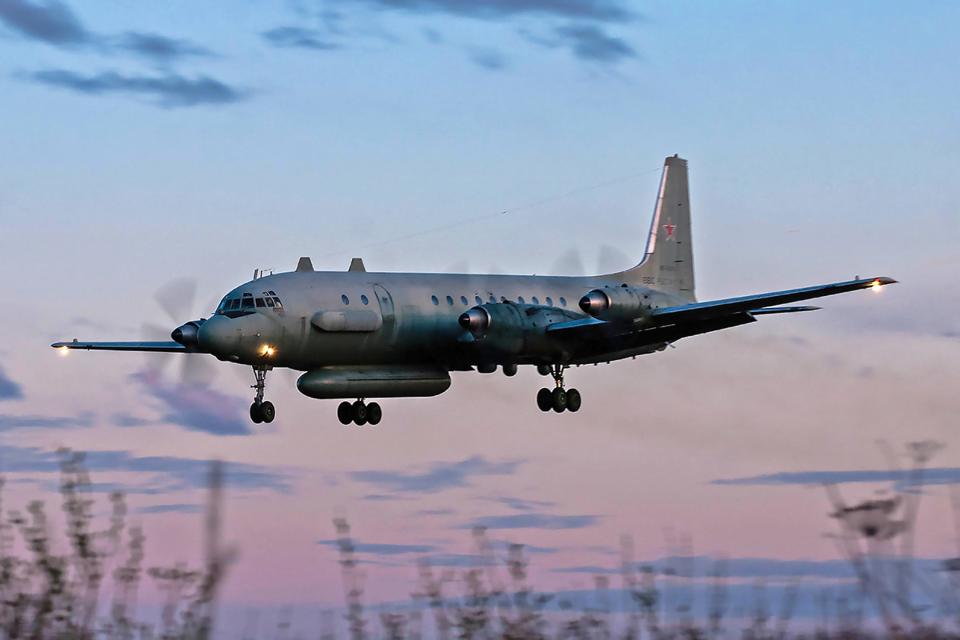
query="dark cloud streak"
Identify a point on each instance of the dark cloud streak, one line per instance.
(595, 10)
(168, 90)
(298, 38)
(438, 477)
(52, 22)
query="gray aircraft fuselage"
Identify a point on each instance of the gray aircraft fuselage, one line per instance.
(419, 318)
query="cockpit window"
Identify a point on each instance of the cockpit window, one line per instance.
(247, 303)
(269, 301)
(260, 303)
(234, 304)
(277, 302)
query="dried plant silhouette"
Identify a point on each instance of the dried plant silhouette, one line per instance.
(90, 589)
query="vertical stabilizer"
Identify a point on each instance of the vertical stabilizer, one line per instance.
(667, 263)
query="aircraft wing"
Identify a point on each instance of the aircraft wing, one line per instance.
(759, 302)
(672, 323)
(163, 347)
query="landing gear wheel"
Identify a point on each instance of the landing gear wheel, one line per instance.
(573, 400)
(267, 411)
(559, 399)
(544, 399)
(374, 413)
(544, 369)
(255, 413)
(359, 413)
(345, 413)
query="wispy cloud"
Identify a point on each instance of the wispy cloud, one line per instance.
(299, 38)
(934, 475)
(593, 44)
(51, 22)
(439, 476)
(489, 59)
(598, 10)
(168, 90)
(9, 422)
(519, 504)
(9, 390)
(170, 508)
(158, 48)
(171, 473)
(383, 549)
(196, 407)
(534, 521)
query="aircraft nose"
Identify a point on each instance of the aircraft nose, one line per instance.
(214, 335)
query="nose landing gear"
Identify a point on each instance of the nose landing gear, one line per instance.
(558, 399)
(260, 410)
(359, 413)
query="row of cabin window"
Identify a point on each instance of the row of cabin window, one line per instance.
(463, 300)
(520, 299)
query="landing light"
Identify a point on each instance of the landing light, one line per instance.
(267, 351)
(876, 285)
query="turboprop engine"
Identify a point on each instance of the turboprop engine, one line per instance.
(510, 330)
(617, 303)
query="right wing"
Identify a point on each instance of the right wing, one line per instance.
(161, 347)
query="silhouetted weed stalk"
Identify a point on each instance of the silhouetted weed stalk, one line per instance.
(90, 590)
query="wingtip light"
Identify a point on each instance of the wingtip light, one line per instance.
(63, 350)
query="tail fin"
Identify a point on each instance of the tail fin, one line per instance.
(667, 263)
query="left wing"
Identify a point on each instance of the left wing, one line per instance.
(161, 347)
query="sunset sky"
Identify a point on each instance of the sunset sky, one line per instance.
(145, 142)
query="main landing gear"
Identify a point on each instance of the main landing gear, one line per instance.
(261, 411)
(359, 413)
(558, 399)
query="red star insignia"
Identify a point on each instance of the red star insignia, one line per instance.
(669, 228)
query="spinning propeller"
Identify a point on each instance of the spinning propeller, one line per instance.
(177, 298)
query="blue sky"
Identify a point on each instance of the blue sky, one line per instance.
(145, 142)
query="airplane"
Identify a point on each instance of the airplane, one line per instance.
(358, 335)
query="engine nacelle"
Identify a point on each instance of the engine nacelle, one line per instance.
(616, 303)
(506, 329)
(188, 334)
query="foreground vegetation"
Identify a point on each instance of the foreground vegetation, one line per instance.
(91, 590)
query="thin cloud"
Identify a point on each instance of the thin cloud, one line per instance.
(934, 475)
(520, 504)
(197, 407)
(488, 59)
(9, 422)
(171, 473)
(9, 390)
(170, 508)
(439, 476)
(382, 549)
(51, 22)
(160, 49)
(591, 43)
(596, 10)
(534, 521)
(298, 38)
(168, 90)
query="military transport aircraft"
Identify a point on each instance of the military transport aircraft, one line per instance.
(360, 335)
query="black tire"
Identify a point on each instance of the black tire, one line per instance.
(268, 411)
(374, 413)
(544, 399)
(573, 400)
(359, 413)
(255, 414)
(543, 369)
(559, 400)
(509, 370)
(345, 413)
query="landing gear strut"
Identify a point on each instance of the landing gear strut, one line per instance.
(359, 413)
(558, 399)
(260, 410)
